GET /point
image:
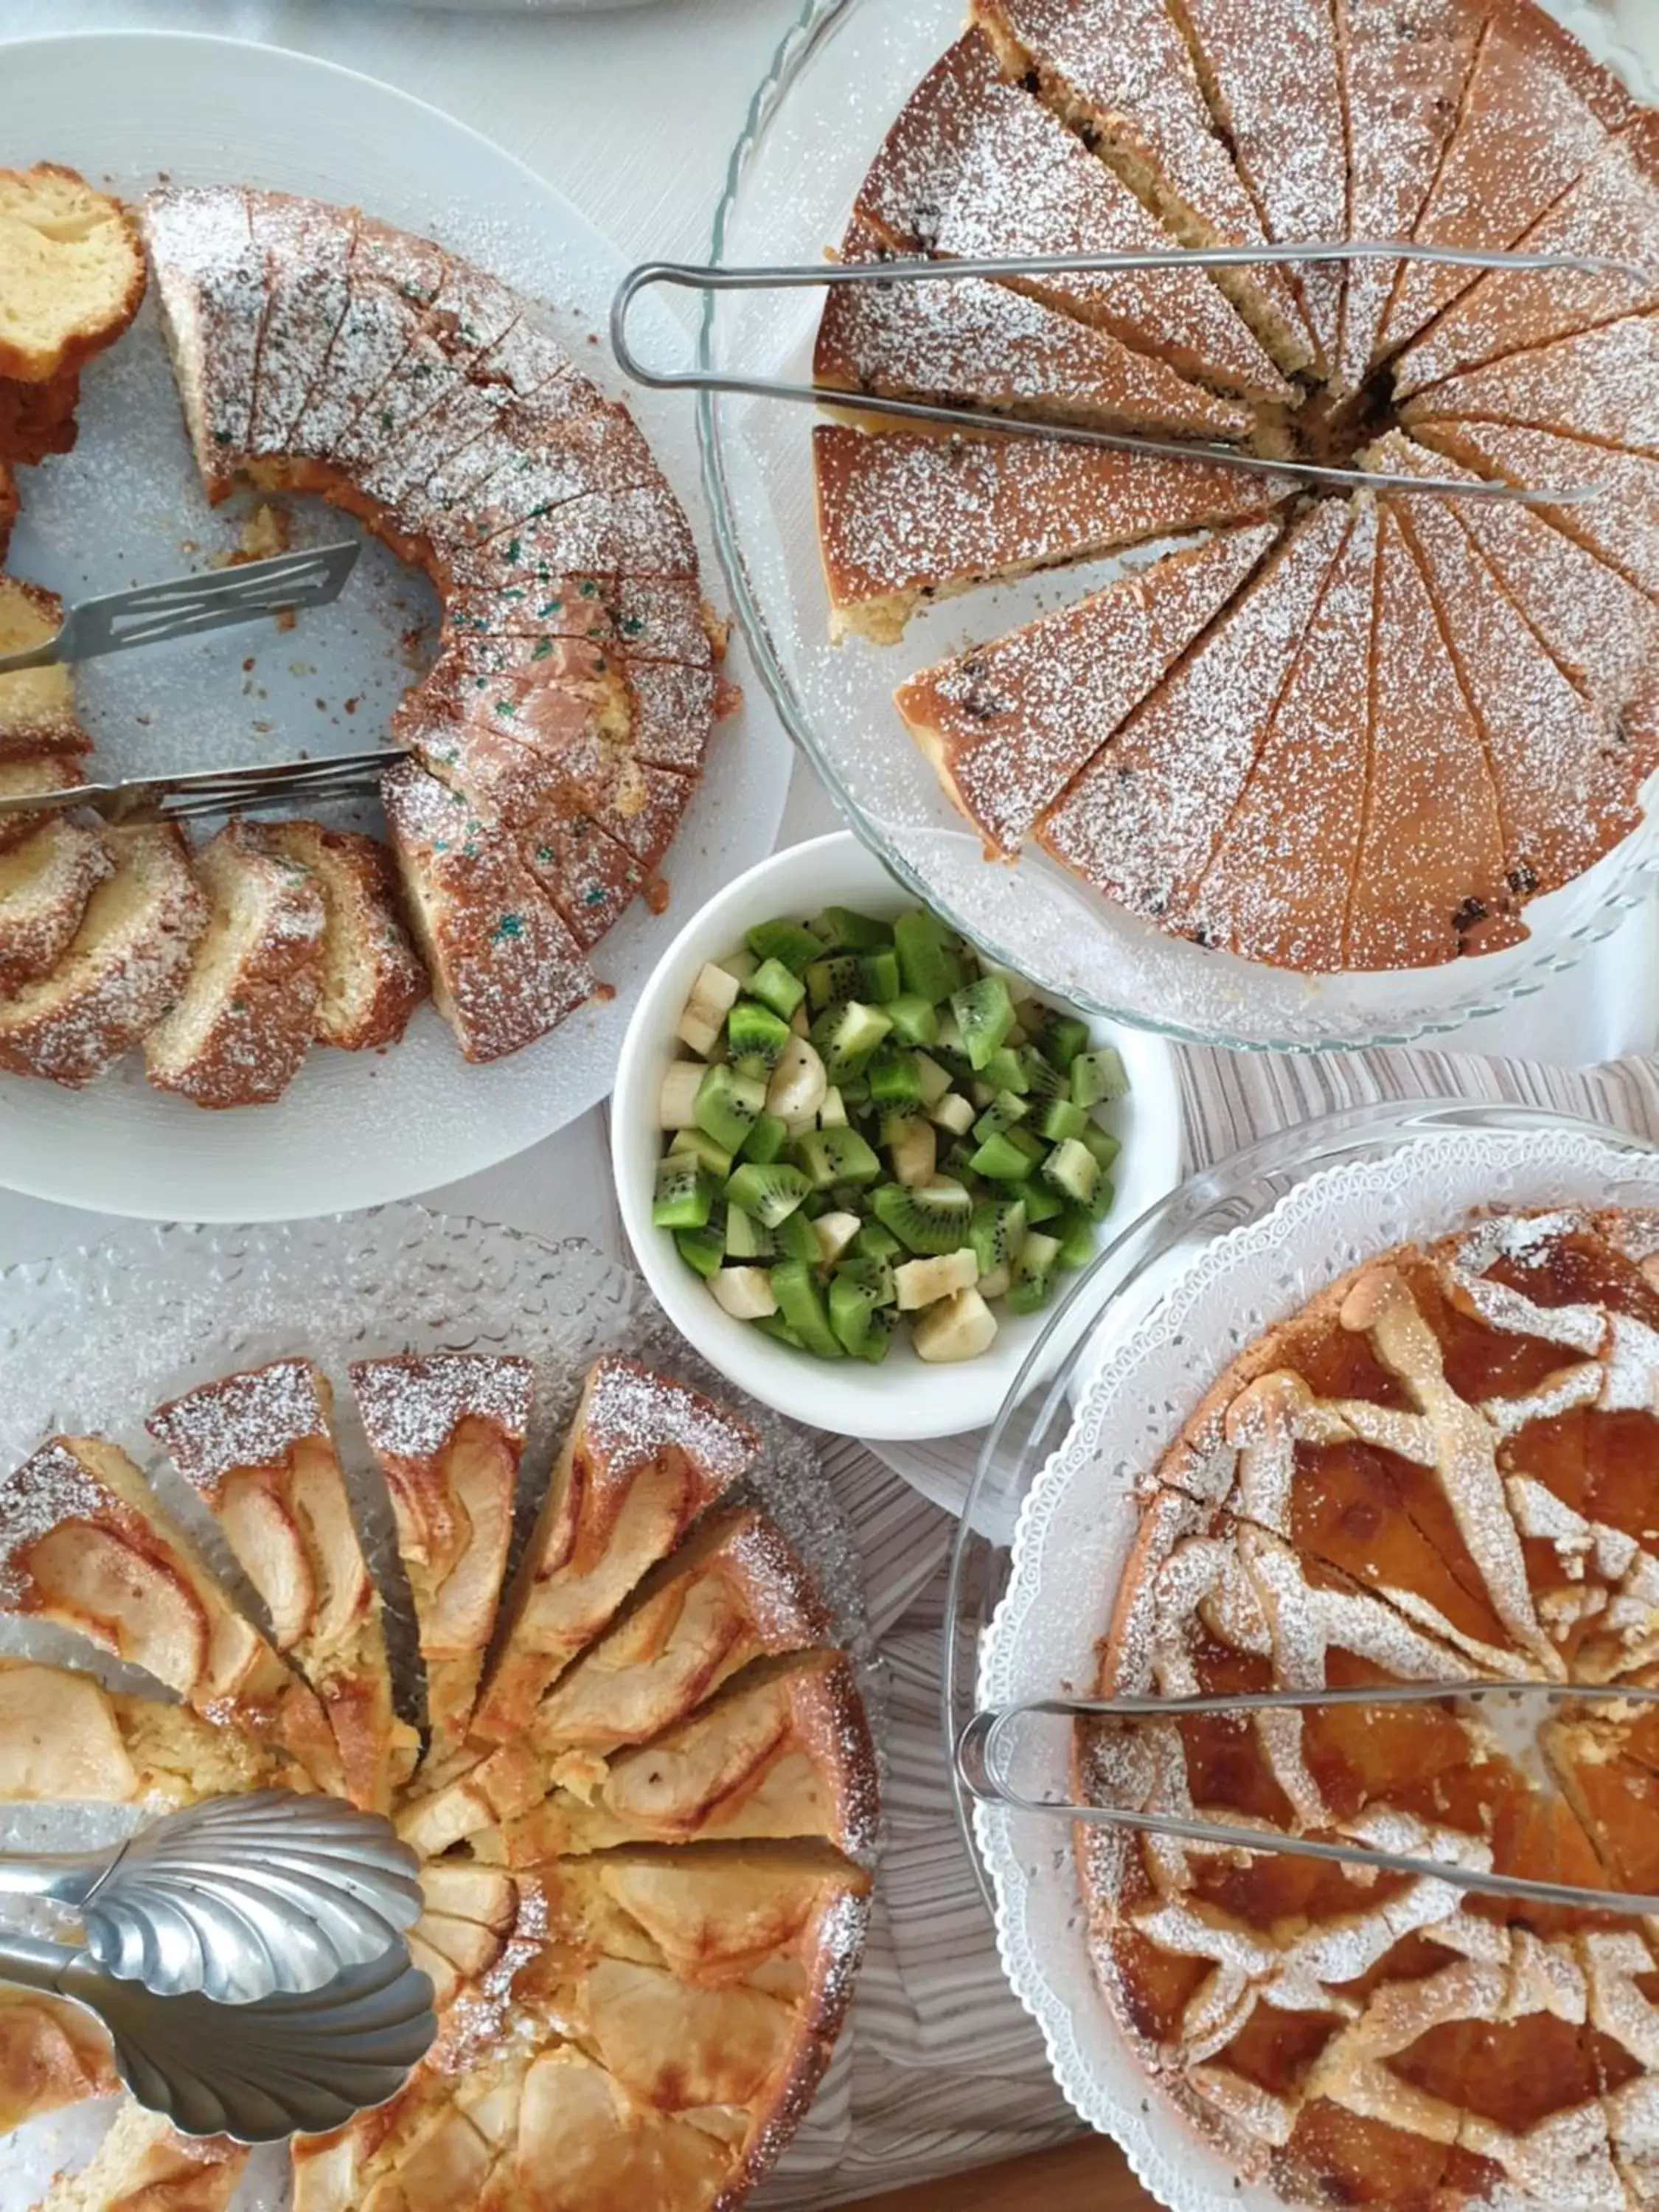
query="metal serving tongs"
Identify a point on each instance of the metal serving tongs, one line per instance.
(983, 1756)
(690, 277)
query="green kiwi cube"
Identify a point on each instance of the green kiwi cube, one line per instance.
(770, 1193)
(1032, 1278)
(787, 942)
(777, 988)
(915, 1021)
(792, 1239)
(828, 1157)
(745, 1239)
(1042, 1082)
(996, 1232)
(1079, 1238)
(776, 1325)
(1060, 1119)
(985, 1014)
(1100, 1204)
(801, 1303)
(1072, 1170)
(1061, 1038)
(879, 977)
(843, 929)
(1001, 1159)
(1042, 1204)
(851, 1304)
(894, 1078)
(875, 1242)
(1097, 1077)
(876, 1275)
(1005, 1070)
(685, 1193)
(701, 1249)
(846, 1036)
(1004, 1111)
(879, 1331)
(831, 980)
(926, 1219)
(1103, 1144)
(766, 1140)
(728, 1104)
(699, 1146)
(928, 962)
(754, 1032)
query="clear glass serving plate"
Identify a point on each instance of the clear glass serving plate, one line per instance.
(837, 80)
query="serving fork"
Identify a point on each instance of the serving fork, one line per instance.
(276, 784)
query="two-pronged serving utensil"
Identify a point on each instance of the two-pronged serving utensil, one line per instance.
(984, 1754)
(236, 1898)
(692, 277)
(184, 607)
(283, 785)
(287, 2065)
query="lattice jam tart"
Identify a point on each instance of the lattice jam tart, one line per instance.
(1445, 1467)
(642, 1831)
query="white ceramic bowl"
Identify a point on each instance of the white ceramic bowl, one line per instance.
(904, 1398)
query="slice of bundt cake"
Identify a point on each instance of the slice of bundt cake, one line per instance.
(44, 885)
(38, 419)
(372, 980)
(210, 282)
(37, 705)
(244, 1020)
(27, 779)
(306, 245)
(1008, 725)
(124, 967)
(71, 272)
(904, 519)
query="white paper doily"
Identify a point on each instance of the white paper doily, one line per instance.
(1080, 1521)
(91, 1341)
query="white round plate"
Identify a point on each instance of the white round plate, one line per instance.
(126, 507)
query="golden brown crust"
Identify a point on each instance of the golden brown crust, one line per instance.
(38, 419)
(91, 327)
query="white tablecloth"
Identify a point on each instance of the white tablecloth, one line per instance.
(633, 115)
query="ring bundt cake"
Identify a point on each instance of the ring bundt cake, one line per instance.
(641, 1806)
(1442, 1469)
(555, 744)
(1339, 731)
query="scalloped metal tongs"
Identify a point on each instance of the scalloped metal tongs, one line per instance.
(689, 277)
(248, 1956)
(984, 1756)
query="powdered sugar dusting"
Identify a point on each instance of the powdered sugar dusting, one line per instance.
(411, 1407)
(633, 1412)
(1605, 383)
(249, 1420)
(48, 1491)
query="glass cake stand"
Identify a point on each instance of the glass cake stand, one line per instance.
(837, 83)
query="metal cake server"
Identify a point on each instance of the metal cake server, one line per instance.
(183, 605)
(287, 2065)
(236, 1899)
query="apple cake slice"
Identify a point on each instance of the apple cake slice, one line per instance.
(65, 1739)
(121, 970)
(84, 1544)
(447, 1430)
(1121, 73)
(258, 1450)
(142, 2166)
(643, 1457)
(37, 705)
(1008, 725)
(371, 980)
(905, 519)
(471, 1913)
(51, 2054)
(46, 884)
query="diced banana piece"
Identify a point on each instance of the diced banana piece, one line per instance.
(677, 1105)
(995, 1285)
(713, 997)
(743, 1293)
(914, 1149)
(959, 1327)
(935, 1080)
(832, 1115)
(834, 1232)
(953, 1112)
(798, 1083)
(924, 1282)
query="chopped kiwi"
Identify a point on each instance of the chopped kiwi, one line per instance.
(777, 988)
(770, 1193)
(1079, 1238)
(776, 1325)
(879, 979)
(928, 961)
(996, 1232)
(894, 1078)
(985, 1014)
(879, 1331)
(699, 1146)
(875, 1242)
(930, 1218)
(1059, 1037)
(793, 1236)
(914, 1019)
(851, 1304)
(790, 943)
(836, 1156)
(1041, 1081)
(754, 1032)
(766, 1140)
(1100, 1204)
(831, 980)
(702, 1249)
(1003, 1112)
(841, 929)
(876, 1275)
(745, 1238)
(1008, 1157)
(1101, 1143)
(846, 1036)
(1032, 1280)
(685, 1193)
(1005, 1070)
(1072, 1170)
(801, 1303)
(1040, 1204)
(727, 1105)
(1060, 1119)
(1097, 1077)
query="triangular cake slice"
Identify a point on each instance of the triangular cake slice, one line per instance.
(1536, 115)
(1420, 895)
(258, 1449)
(66, 1739)
(1404, 68)
(84, 1544)
(903, 518)
(1121, 75)
(447, 1429)
(1270, 72)
(1140, 824)
(1601, 385)
(1619, 527)
(120, 971)
(1601, 630)
(45, 883)
(782, 1751)
(37, 705)
(53, 2053)
(1008, 725)
(1567, 785)
(1611, 213)
(1278, 887)
(469, 1917)
(391, 279)
(581, 2139)
(968, 341)
(977, 168)
(644, 1456)
(733, 1593)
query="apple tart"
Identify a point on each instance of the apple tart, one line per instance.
(1442, 1469)
(644, 1846)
